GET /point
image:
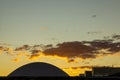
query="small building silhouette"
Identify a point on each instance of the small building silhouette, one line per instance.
(88, 73)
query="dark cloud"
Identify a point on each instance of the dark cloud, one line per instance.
(34, 56)
(116, 37)
(85, 49)
(112, 38)
(99, 44)
(49, 45)
(71, 49)
(105, 44)
(74, 49)
(7, 50)
(30, 48)
(24, 47)
(115, 47)
(1, 48)
(36, 46)
(4, 48)
(35, 51)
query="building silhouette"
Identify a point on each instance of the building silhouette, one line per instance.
(88, 73)
(38, 69)
(115, 75)
(104, 71)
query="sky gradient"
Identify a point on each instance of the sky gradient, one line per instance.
(35, 22)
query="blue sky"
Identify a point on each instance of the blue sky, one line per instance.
(54, 21)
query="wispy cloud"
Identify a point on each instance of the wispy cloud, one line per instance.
(44, 28)
(94, 32)
(5, 44)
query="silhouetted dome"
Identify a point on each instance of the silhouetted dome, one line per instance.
(38, 69)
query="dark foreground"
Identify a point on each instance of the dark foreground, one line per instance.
(59, 78)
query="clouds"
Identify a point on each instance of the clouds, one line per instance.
(6, 50)
(70, 50)
(27, 47)
(85, 49)
(24, 47)
(34, 56)
(112, 47)
(116, 37)
(3, 48)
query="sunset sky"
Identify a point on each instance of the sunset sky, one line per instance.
(73, 35)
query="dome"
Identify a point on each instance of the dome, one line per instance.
(38, 69)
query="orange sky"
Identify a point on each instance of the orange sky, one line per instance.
(11, 62)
